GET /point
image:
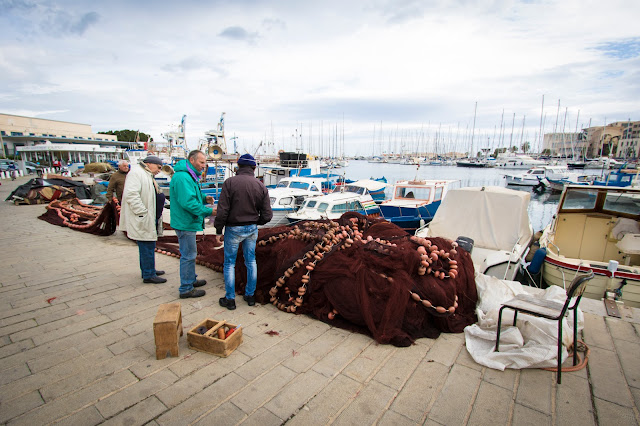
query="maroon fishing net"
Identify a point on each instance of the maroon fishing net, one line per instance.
(357, 273)
(83, 217)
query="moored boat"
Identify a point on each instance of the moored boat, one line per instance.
(596, 228)
(414, 203)
(493, 220)
(290, 194)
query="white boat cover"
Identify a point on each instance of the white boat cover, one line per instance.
(371, 185)
(495, 218)
(531, 344)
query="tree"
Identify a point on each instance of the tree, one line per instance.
(498, 151)
(129, 135)
(525, 147)
(513, 149)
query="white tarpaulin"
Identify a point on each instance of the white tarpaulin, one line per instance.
(531, 344)
(500, 217)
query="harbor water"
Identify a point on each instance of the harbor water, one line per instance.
(541, 209)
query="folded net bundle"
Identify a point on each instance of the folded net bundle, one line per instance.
(358, 273)
(83, 217)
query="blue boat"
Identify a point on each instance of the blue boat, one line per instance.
(414, 203)
(620, 178)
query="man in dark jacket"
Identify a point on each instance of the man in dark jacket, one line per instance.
(116, 181)
(243, 205)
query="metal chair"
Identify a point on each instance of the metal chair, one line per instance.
(549, 309)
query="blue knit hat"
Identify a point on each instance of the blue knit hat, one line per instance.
(247, 160)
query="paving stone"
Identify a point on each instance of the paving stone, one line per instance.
(262, 417)
(573, 402)
(535, 389)
(309, 332)
(60, 407)
(453, 402)
(343, 354)
(204, 401)
(18, 328)
(135, 393)
(226, 414)
(622, 330)
(70, 329)
(606, 377)
(138, 414)
(263, 389)
(392, 418)
(85, 417)
(369, 405)
(491, 406)
(14, 373)
(200, 379)
(446, 348)
(505, 379)
(419, 392)
(131, 342)
(328, 402)
(629, 356)
(464, 358)
(268, 359)
(14, 348)
(614, 414)
(596, 332)
(190, 361)
(368, 361)
(19, 406)
(297, 393)
(400, 366)
(315, 350)
(525, 416)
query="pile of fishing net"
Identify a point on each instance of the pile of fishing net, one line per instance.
(41, 191)
(358, 273)
(74, 214)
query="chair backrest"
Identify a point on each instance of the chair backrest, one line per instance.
(576, 289)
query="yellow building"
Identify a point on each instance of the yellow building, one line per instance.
(42, 140)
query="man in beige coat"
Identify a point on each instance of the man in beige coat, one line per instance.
(140, 215)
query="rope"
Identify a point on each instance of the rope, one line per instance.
(582, 347)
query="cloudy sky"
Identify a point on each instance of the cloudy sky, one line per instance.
(363, 76)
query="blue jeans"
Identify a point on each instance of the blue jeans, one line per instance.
(233, 236)
(147, 258)
(188, 253)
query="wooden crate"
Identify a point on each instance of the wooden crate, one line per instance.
(167, 329)
(209, 342)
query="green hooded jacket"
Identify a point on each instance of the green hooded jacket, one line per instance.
(188, 208)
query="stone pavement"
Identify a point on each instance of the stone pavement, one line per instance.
(76, 347)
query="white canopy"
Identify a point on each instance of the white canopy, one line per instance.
(494, 217)
(371, 185)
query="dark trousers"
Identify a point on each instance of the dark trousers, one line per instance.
(147, 251)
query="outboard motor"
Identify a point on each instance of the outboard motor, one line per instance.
(466, 243)
(537, 261)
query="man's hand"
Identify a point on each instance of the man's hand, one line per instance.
(209, 199)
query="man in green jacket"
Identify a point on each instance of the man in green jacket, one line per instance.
(188, 211)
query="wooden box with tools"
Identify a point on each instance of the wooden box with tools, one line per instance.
(215, 337)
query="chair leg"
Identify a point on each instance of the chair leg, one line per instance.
(498, 332)
(559, 349)
(575, 336)
(515, 317)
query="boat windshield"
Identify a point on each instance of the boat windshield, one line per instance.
(580, 200)
(283, 184)
(299, 185)
(621, 203)
(355, 189)
(322, 207)
(413, 193)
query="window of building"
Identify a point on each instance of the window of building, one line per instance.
(16, 134)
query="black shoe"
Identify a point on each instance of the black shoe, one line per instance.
(199, 283)
(155, 280)
(193, 293)
(251, 300)
(230, 304)
(158, 273)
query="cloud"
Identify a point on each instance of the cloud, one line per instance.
(273, 24)
(239, 34)
(621, 49)
(46, 19)
(194, 63)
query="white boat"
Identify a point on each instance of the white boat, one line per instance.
(354, 197)
(497, 221)
(290, 164)
(290, 194)
(531, 177)
(596, 228)
(602, 163)
(517, 161)
(415, 202)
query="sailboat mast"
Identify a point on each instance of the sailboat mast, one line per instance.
(475, 110)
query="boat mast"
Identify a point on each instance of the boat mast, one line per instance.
(474, 127)
(540, 141)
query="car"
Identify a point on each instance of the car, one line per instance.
(4, 164)
(32, 167)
